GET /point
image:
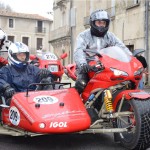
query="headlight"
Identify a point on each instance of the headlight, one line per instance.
(118, 72)
(138, 72)
(53, 68)
(42, 125)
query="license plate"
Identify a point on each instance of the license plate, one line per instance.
(53, 68)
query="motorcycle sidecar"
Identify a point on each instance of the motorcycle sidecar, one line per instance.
(44, 112)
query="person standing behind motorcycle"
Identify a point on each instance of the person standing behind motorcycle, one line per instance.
(97, 37)
(4, 45)
(144, 63)
(19, 74)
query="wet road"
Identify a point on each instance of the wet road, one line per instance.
(60, 142)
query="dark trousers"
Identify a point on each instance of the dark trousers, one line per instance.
(81, 82)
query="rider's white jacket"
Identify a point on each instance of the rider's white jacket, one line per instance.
(5, 45)
(86, 41)
(4, 53)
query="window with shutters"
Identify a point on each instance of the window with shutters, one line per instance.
(11, 38)
(39, 43)
(25, 40)
(11, 23)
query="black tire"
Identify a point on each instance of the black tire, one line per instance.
(138, 138)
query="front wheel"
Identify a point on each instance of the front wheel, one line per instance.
(138, 123)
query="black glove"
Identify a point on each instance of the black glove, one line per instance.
(85, 68)
(9, 92)
(44, 73)
(35, 62)
(46, 87)
(47, 80)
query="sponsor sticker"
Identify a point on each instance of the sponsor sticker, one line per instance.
(14, 116)
(58, 124)
(45, 99)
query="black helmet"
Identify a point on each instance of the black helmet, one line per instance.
(100, 15)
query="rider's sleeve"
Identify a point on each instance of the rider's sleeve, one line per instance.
(117, 42)
(6, 45)
(79, 55)
(4, 77)
(35, 72)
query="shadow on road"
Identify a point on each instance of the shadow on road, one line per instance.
(63, 142)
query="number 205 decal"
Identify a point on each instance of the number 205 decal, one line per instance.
(14, 116)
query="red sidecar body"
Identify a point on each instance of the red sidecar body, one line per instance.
(58, 111)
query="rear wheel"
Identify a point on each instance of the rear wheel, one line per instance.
(138, 123)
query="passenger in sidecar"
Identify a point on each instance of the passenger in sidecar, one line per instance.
(18, 74)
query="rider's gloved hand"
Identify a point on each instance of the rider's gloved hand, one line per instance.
(35, 62)
(9, 92)
(85, 68)
(44, 73)
(46, 81)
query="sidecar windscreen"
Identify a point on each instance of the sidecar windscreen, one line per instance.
(116, 53)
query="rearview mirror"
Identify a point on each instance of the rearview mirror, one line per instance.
(64, 55)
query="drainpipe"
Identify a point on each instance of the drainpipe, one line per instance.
(71, 35)
(146, 29)
(123, 32)
(91, 6)
(147, 34)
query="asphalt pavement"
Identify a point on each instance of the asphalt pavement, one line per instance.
(147, 88)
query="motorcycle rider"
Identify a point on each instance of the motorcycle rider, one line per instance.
(18, 74)
(144, 63)
(96, 37)
(4, 45)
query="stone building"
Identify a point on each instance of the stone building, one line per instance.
(31, 29)
(129, 22)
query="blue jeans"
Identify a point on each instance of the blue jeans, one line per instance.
(141, 84)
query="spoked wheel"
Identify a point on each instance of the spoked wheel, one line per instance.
(138, 124)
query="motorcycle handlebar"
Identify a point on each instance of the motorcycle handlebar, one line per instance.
(96, 68)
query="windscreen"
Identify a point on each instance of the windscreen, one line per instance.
(47, 56)
(116, 53)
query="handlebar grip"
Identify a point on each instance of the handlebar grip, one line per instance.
(96, 68)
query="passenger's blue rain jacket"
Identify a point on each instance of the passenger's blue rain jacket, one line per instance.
(19, 79)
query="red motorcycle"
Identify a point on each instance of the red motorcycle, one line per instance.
(110, 103)
(112, 99)
(51, 62)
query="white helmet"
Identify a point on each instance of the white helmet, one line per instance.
(3, 37)
(14, 49)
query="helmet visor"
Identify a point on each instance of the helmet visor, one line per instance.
(21, 56)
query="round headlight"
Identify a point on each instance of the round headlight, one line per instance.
(42, 125)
